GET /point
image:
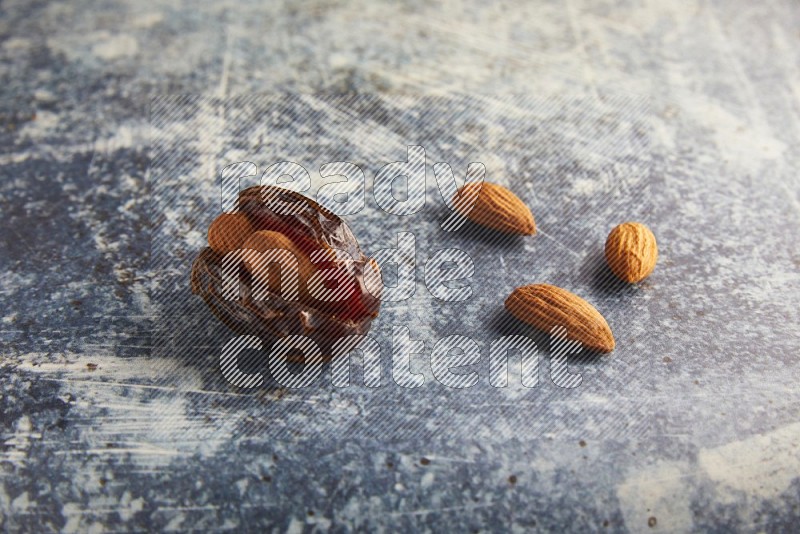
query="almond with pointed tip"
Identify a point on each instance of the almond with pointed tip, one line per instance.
(544, 307)
(631, 252)
(496, 207)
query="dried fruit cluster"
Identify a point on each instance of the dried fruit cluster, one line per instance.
(630, 251)
(264, 224)
(307, 230)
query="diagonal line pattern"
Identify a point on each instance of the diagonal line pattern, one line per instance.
(547, 144)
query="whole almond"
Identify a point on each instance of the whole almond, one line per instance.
(495, 207)
(631, 251)
(228, 232)
(544, 307)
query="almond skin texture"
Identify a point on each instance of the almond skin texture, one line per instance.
(631, 252)
(228, 231)
(497, 208)
(544, 306)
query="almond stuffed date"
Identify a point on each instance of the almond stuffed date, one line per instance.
(273, 215)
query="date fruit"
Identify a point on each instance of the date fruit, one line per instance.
(275, 218)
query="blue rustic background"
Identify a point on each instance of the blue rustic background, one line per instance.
(692, 423)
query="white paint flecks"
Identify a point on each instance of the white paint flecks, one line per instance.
(760, 467)
(115, 47)
(147, 20)
(44, 124)
(152, 425)
(750, 471)
(659, 492)
(19, 443)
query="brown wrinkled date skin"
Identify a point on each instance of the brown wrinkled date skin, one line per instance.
(263, 223)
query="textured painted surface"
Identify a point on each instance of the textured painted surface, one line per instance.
(99, 430)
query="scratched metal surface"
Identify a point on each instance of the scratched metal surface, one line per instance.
(100, 429)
